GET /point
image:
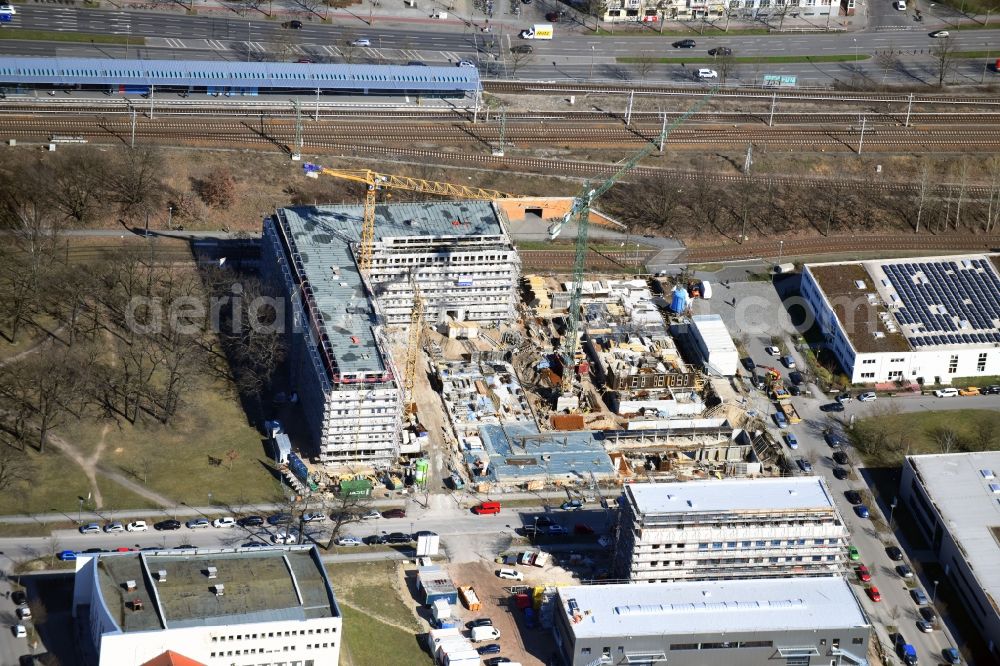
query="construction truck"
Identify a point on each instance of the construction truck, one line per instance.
(779, 393)
(788, 410)
(469, 597)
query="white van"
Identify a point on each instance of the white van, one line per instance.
(510, 574)
(487, 633)
(707, 74)
(946, 393)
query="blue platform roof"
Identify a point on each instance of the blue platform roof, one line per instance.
(103, 71)
(518, 452)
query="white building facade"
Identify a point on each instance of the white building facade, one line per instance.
(728, 529)
(457, 254)
(654, 11)
(137, 606)
(909, 320)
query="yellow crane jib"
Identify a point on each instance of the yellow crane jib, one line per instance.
(376, 181)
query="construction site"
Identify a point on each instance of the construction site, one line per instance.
(420, 353)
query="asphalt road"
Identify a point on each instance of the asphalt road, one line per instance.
(572, 55)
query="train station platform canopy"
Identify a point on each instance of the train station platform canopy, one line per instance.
(267, 75)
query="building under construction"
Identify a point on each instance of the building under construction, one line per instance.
(457, 254)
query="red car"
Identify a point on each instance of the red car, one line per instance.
(873, 593)
(582, 529)
(863, 574)
(394, 513)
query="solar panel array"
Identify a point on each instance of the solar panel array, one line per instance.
(944, 303)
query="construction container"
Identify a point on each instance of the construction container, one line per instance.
(679, 299)
(469, 597)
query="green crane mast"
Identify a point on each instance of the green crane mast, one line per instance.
(580, 211)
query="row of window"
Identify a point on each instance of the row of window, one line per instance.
(261, 76)
(273, 634)
(761, 543)
(743, 560)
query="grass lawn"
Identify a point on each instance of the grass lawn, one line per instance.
(53, 36)
(211, 423)
(369, 642)
(885, 438)
(847, 57)
(370, 587)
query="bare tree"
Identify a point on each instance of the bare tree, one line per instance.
(519, 58)
(985, 433)
(643, 66)
(134, 181)
(886, 60)
(75, 179)
(945, 437)
(649, 203)
(924, 187)
(726, 64)
(962, 172)
(231, 456)
(15, 468)
(218, 188)
(993, 205)
(347, 510)
(944, 53)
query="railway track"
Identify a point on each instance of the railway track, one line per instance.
(976, 138)
(781, 95)
(812, 246)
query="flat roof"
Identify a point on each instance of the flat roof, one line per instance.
(968, 500)
(237, 74)
(322, 240)
(711, 495)
(701, 607)
(930, 303)
(714, 333)
(518, 451)
(258, 586)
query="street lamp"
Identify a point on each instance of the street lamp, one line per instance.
(170, 216)
(781, 248)
(210, 498)
(79, 513)
(982, 79)
(592, 47)
(855, 53)
(934, 592)
(892, 509)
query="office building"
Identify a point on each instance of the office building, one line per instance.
(788, 621)
(954, 499)
(262, 607)
(909, 320)
(458, 255)
(732, 528)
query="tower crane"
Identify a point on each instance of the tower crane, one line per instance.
(377, 181)
(580, 211)
(413, 347)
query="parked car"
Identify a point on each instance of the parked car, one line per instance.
(552, 17)
(19, 631)
(226, 521)
(583, 530)
(900, 5)
(137, 526)
(794, 390)
(993, 389)
(90, 528)
(479, 622)
(556, 530)
(853, 496)
(250, 521)
(571, 505)
(720, 51)
(840, 473)
(197, 523)
(394, 513)
(834, 439)
(466, 63)
(868, 396)
(427, 533)
(397, 538)
(96, 550)
(927, 613)
(684, 44)
(969, 390)
(918, 596)
(18, 597)
(279, 519)
(348, 541)
(749, 364)
(315, 517)
(864, 575)
(167, 525)
(845, 398)
(23, 613)
(946, 393)
(114, 526)
(904, 571)
(873, 593)
(285, 535)
(510, 574)
(770, 351)
(894, 553)
(371, 515)
(496, 661)
(780, 420)
(804, 465)
(925, 626)
(788, 362)
(840, 457)
(831, 407)
(951, 655)
(489, 648)
(862, 511)
(791, 440)
(853, 554)
(795, 377)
